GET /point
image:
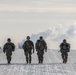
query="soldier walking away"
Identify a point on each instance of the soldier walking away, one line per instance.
(28, 46)
(8, 48)
(64, 49)
(40, 47)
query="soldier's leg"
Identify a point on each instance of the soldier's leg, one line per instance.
(66, 57)
(38, 54)
(9, 59)
(63, 57)
(29, 57)
(41, 58)
(26, 54)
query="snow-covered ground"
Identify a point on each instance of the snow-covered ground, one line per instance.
(52, 64)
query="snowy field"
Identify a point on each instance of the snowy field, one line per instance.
(52, 64)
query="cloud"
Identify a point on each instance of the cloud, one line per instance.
(56, 33)
(24, 1)
(38, 8)
(71, 31)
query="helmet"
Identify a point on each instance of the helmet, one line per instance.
(64, 40)
(8, 39)
(41, 37)
(28, 37)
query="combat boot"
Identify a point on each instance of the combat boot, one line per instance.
(8, 62)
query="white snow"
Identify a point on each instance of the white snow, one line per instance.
(52, 64)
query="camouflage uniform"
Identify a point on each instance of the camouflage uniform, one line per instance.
(28, 46)
(8, 49)
(40, 47)
(64, 48)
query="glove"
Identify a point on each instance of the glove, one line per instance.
(4, 51)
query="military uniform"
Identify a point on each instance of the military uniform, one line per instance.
(64, 48)
(8, 49)
(28, 46)
(40, 47)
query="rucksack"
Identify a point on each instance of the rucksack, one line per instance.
(65, 47)
(40, 45)
(9, 47)
(28, 45)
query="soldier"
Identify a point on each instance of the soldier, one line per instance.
(8, 48)
(64, 49)
(28, 46)
(40, 47)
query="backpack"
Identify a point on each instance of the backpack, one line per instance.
(40, 45)
(65, 47)
(28, 45)
(9, 47)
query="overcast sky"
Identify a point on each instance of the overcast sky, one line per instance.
(19, 18)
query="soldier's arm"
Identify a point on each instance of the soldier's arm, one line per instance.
(69, 45)
(13, 46)
(36, 46)
(23, 46)
(32, 46)
(4, 48)
(60, 45)
(45, 46)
